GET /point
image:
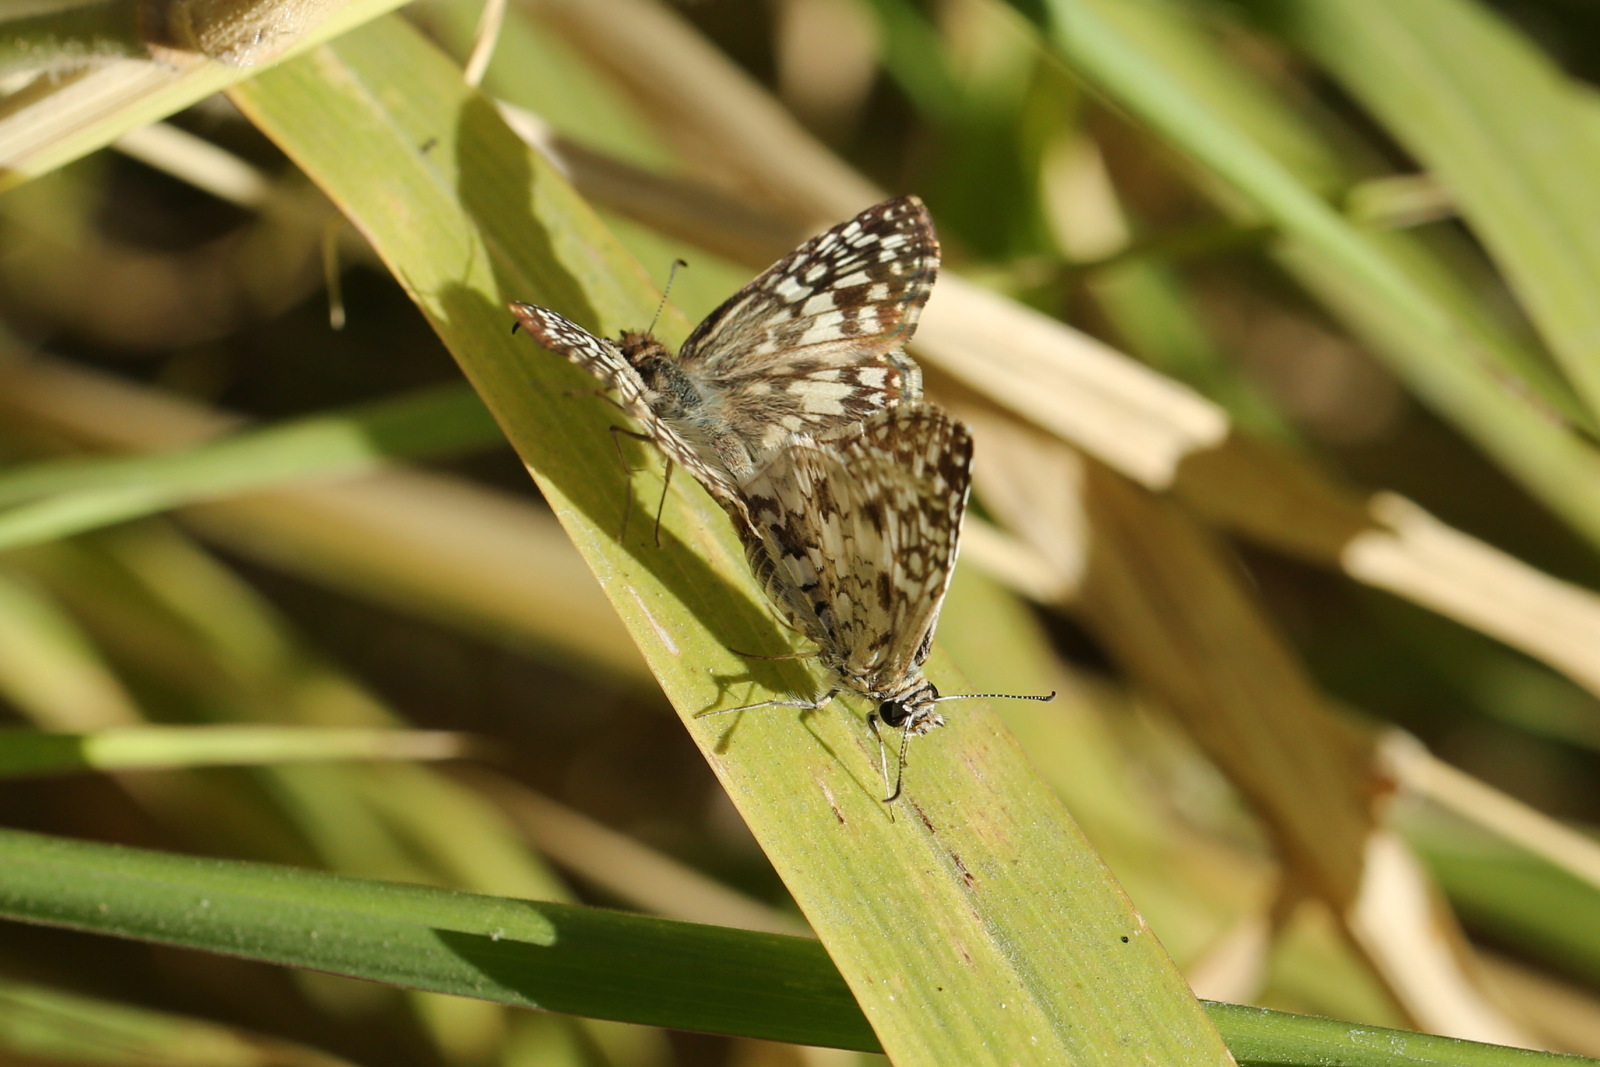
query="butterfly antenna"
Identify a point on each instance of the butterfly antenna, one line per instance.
(1045, 699)
(667, 289)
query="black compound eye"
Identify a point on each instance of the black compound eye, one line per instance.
(893, 713)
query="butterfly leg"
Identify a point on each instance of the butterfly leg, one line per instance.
(773, 659)
(603, 394)
(661, 505)
(805, 705)
(617, 433)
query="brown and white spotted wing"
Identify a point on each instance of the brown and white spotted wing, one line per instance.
(678, 440)
(856, 535)
(594, 354)
(814, 341)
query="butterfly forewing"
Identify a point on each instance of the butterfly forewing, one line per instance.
(813, 342)
(858, 533)
(599, 357)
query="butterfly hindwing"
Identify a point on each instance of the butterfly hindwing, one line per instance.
(859, 531)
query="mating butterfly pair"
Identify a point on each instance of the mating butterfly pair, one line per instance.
(796, 407)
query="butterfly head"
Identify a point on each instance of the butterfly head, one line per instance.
(642, 349)
(912, 709)
(660, 373)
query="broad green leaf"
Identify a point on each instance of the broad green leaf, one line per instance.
(971, 920)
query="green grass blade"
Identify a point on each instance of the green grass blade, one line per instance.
(972, 921)
(1515, 897)
(1442, 355)
(51, 671)
(580, 961)
(1262, 1038)
(40, 1025)
(1517, 151)
(423, 542)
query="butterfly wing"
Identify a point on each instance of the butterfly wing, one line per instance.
(634, 396)
(814, 342)
(856, 535)
(594, 354)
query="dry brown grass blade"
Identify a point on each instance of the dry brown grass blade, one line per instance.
(1234, 967)
(1412, 554)
(1423, 773)
(495, 564)
(1409, 935)
(1565, 1014)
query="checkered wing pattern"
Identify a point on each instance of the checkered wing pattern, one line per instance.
(596, 355)
(677, 439)
(855, 537)
(814, 342)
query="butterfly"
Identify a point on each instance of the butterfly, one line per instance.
(795, 406)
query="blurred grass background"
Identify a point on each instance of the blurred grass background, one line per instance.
(1363, 233)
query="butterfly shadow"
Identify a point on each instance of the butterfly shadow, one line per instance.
(778, 674)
